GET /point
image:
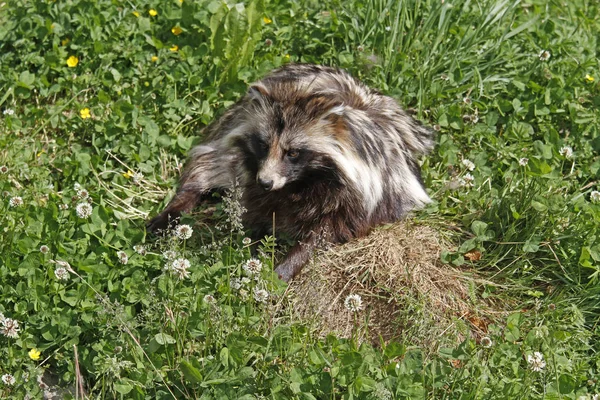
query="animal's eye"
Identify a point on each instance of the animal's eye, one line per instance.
(293, 153)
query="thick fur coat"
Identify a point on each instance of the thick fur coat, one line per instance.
(316, 153)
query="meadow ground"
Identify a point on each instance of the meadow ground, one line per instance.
(492, 291)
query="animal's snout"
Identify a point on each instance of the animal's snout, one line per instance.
(266, 184)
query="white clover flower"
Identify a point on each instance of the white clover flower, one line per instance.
(8, 379)
(353, 303)
(2, 318)
(486, 342)
(467, 100)
(10, 328)
(261, 295)
(83, 194)
(179, 267)
(3, 169)
(536, 361)
(169, 255)
(209, 299)
(252, 267)
(63, 207)
(243, 294)
(137, 178)
(8, 111)
(388, 28)
(566, 151)
(44, 249)
(140, 249)
(467, 180)
(235, 283)
(77, 186)
(523, 161)
(468, 164)
(245, 281)
(61, 273)
(15, 202)
(123, 257)
(246, 241)
(83, 210)
(544, 55)
(63, 264)
(595, 196)
(184, 232)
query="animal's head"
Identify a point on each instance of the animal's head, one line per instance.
(285, 135)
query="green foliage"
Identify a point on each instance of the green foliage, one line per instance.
(101, 101)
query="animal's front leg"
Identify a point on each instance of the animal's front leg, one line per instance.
(296, 258)
(208, 169)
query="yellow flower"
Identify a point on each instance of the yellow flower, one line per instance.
(52, 27)
(267, 20)
(85, 113)
(137, 14)
(176, 30)
(128, 174)
(180, 1)
(287, 56)
(154, 59)
(589, 78)
(72, 61)
(34, 354)
(152, 12)
(174, 48)
(65, 41)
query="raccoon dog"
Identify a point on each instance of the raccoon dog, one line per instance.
(317, 155)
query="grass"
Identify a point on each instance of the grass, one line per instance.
(107, 97)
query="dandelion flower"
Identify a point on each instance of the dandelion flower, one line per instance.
(589, 78)
(123, 257)
(34, 354)
(10, 328)
(83, 210)
(154, 59)
(176, 30)
(8, 111)
(468, 164)
(261, 295)
(267, 20)
(595, 196)
(15, 202)
(566, 151)
(184, 231)
(8, 379)
(486, 342)
(3, 169)
(137, 14)
(61, 274)
(152, 12)
(353, 303)
(544, 55)
(174, 48)
(523, 161)
(72, 61)
(84, 113)
(536, 361)
(252, 267)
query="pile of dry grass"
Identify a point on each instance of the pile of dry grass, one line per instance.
(404, 286)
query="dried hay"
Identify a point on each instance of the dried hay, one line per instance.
(408, 294)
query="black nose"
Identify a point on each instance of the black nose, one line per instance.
(267, 185)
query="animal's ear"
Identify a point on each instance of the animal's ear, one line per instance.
(258, 91)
